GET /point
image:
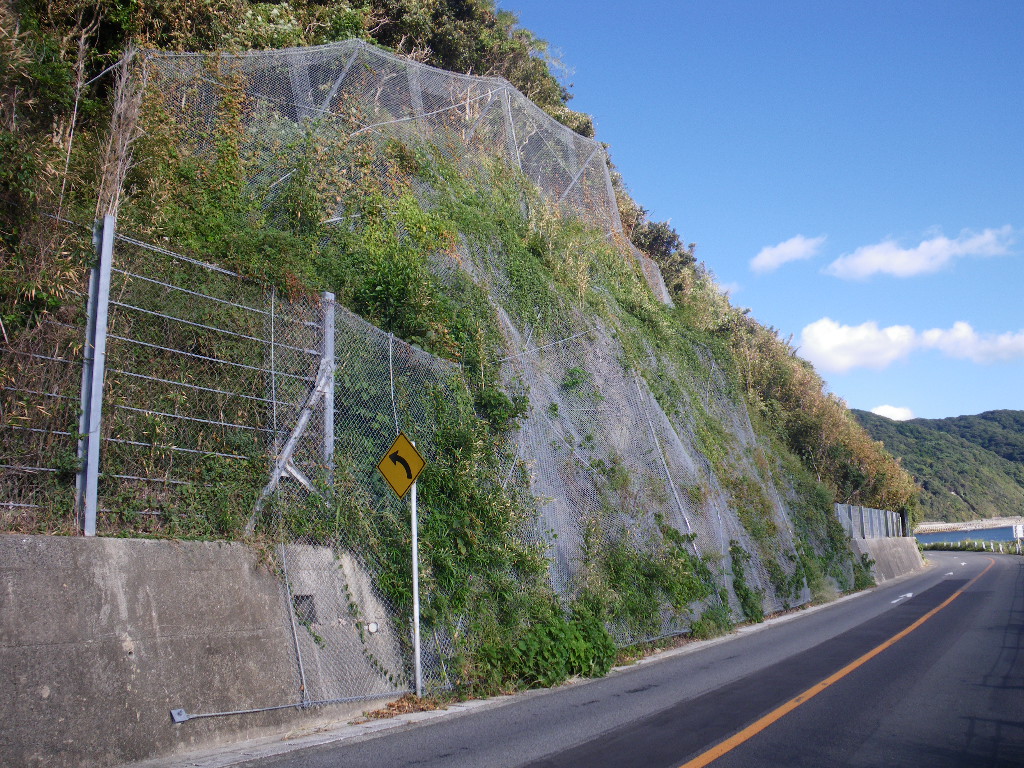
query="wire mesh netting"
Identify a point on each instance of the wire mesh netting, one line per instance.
(233, 409)
(596, 439)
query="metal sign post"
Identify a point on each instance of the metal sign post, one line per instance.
(400, 465)
(417, 672)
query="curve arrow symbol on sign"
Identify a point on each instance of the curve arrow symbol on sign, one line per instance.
(396, 459)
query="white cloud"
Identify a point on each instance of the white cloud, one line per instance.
(963, 342)
(894, 412)
(838, 348)
(889, 258)
(772, 257)
(729, 289)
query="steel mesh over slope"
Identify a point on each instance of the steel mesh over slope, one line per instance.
(599, 448)
(218, 383)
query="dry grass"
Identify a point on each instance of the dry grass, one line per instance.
(407, 704)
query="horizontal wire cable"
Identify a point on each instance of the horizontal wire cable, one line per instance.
(204, 357)
(211, 298)
(169, 480)
(120, 441)
(194, 324)
(43, 431)
(190, 418)
(212, 390)
(38, 392)
(44, 357)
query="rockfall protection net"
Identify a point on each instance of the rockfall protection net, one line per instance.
(594, 439)
(217, 382)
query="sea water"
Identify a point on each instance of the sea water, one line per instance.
(978, 534)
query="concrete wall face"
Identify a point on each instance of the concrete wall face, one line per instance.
(869, 523)
(893, 557)
(101, 638)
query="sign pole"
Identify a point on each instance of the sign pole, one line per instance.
(400, 465)
(416, 596)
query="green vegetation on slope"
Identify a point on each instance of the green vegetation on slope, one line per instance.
(410, 210)
(968, 467)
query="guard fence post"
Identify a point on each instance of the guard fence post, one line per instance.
(93, 364)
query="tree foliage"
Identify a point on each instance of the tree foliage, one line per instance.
(966, 465)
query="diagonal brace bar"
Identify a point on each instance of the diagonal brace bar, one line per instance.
(324, 382)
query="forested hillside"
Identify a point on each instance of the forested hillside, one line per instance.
(1001, 432)
(967, 466)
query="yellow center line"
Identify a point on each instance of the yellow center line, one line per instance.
(755, 728)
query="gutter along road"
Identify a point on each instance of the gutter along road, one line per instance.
(928, 671)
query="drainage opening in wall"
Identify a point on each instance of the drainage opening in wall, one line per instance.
(305, 609)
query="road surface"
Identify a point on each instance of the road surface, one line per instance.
(926, 672)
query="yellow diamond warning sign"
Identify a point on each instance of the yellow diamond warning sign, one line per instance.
(401, 465)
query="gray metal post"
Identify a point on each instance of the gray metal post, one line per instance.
(328, 356)
(613, 208)
(93, 366)
(415, 90)
(491, 101)
(417, 669)
(512, 140)
(325, 107)
(85, 389)
(302, 89)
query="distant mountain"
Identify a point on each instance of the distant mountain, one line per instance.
(1001, 432)
(969, 466)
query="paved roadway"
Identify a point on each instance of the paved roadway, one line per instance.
(950, 692)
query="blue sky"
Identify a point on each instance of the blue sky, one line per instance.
(851, 171)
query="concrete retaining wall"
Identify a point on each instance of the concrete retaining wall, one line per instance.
(101, 638)
(893, 557)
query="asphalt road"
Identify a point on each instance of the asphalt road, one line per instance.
(950, 692)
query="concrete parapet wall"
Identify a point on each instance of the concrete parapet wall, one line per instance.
(101, 638)
(893, 557)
